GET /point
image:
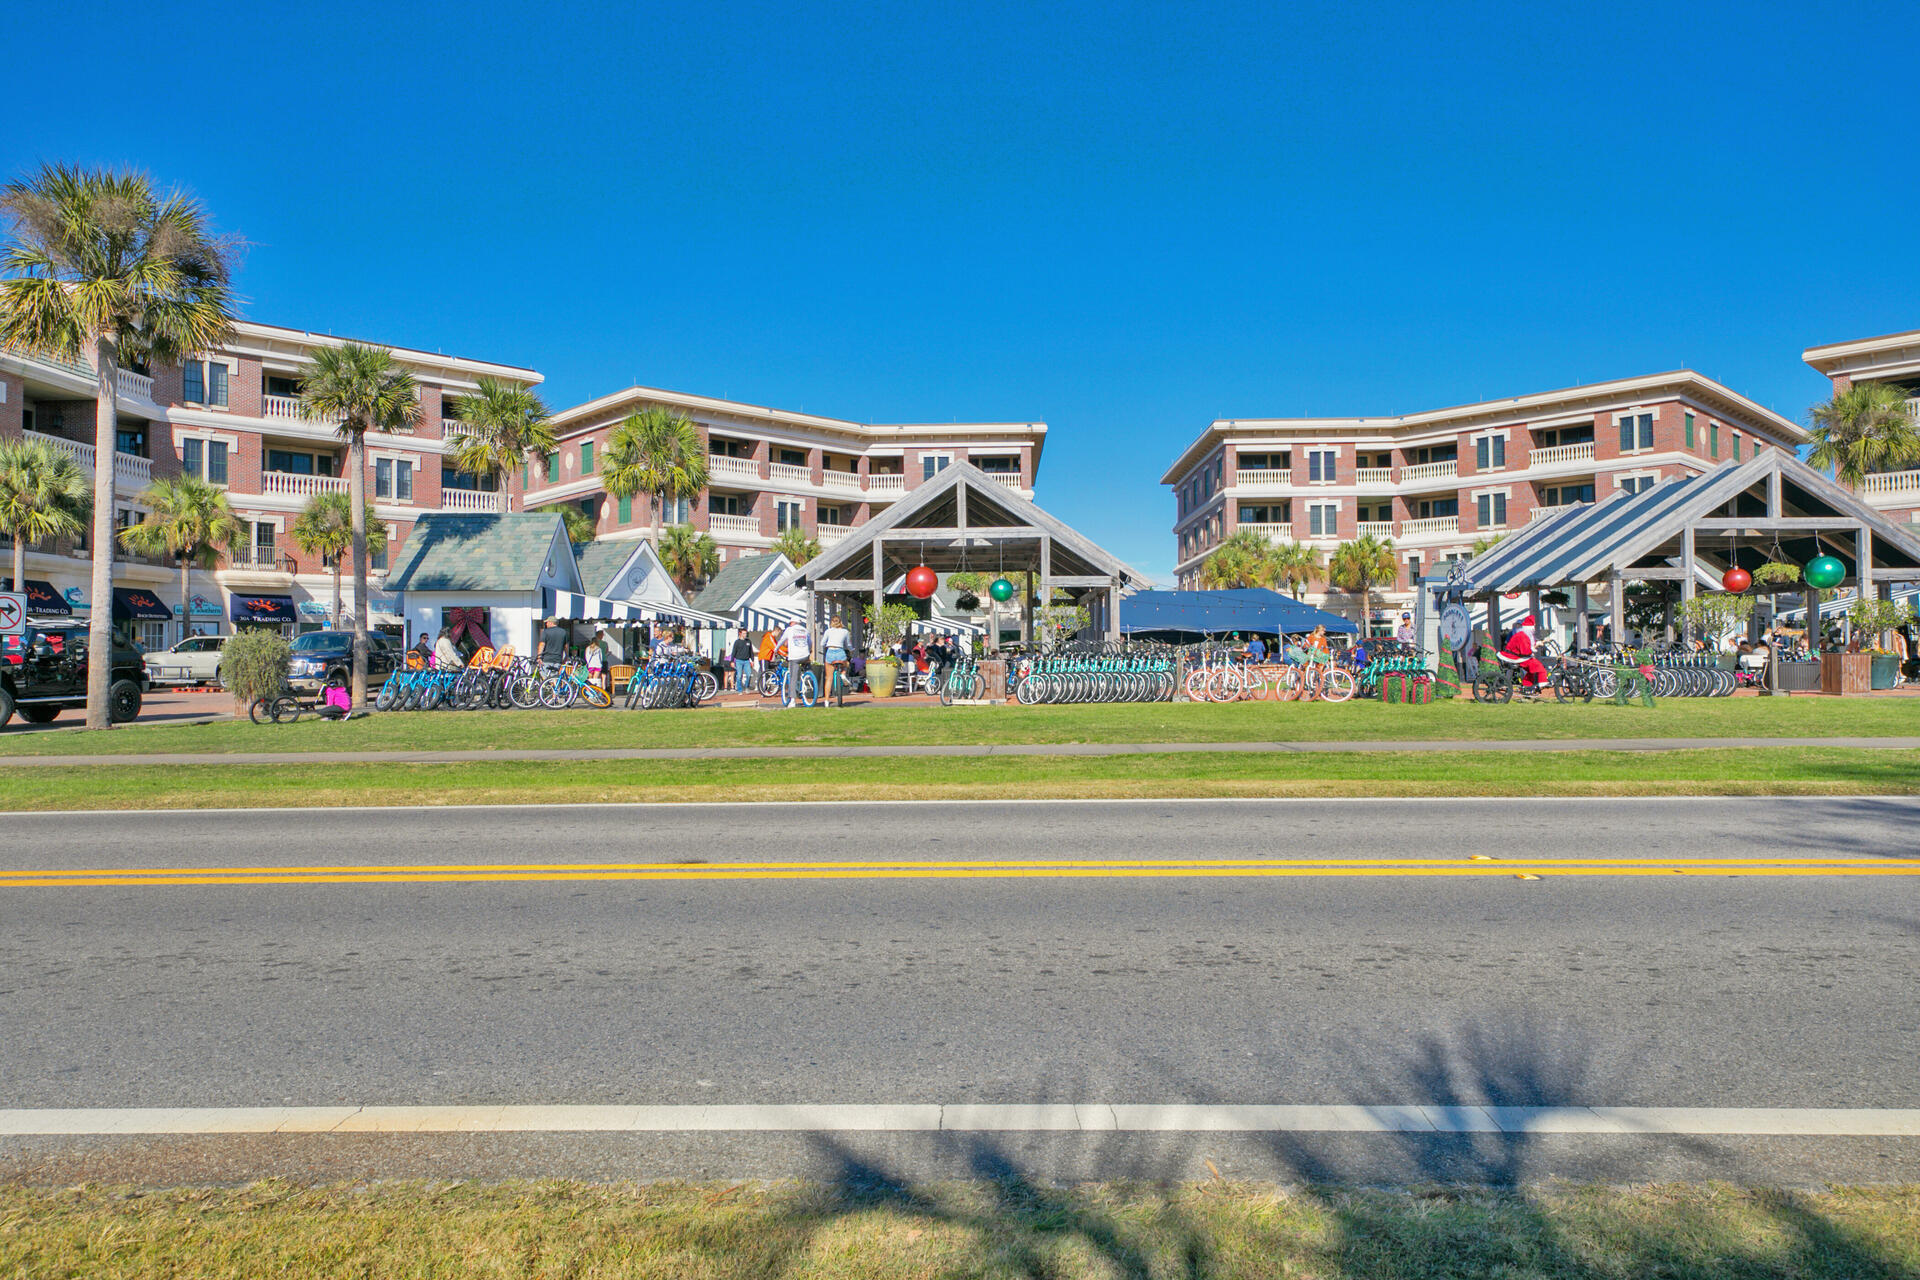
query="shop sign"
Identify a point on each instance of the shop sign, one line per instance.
(312, 610)
(199, 606)
(76, 599)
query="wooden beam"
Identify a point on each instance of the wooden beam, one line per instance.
(844, 584)
(1773, 495)
(1084, 580)
(1781, 524)
(1686, 583)
(908, 532)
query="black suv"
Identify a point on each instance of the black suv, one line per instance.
(321, 658)
(43, 671)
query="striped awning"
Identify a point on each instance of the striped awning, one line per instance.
(579, 608)
(944, 627)
(760, 618)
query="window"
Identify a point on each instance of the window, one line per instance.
(932, 464)
(1636, 432)
(153, 635)
(300, 464)
(586, 457)
(263, 536)
(675, 511)
(193, 382)
(553, 468)
(216, 462)
(131, 439)
(1413, 570)
(1490, 453)
(526, 476)
(1321, 465)
(383, 477)
(798, 458)
(403, 481)
(379, 559)
(1267, 514)
(216, 383)
(393, 479)
(788, 515)
(1562, 495)
(1636, 484)
(190, 457)
(725, 504)
(1713, 439)
(1439, 508)
(1689, 431)
(276, 385)
(1491, 509)
(1323, 520)
(626, 508)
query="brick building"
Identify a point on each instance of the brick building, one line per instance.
(1894, 358)
(1434, 483)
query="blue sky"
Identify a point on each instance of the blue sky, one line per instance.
(1122, 220)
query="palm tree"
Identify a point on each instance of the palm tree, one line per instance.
(690, 557)
(99, 259)
(796, 546)
(656, 452)
(1243, 559)
(190, 520)
(1481, 546)
(324, 528)
(1866, 428)
(43, 494)
(1360, 566)
(1295, 566)
(508, 424)
(366, 391)
(580, 526)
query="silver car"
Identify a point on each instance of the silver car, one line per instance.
(195, 660)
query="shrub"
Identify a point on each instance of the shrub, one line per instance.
(889, 624)
(254, 664)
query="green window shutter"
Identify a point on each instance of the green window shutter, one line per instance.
(553, 468)
(1713, 439)
(1736, 446)
(1689, 431)
(626, 509)
(526, 476)
(586, 457)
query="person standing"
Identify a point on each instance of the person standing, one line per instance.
(836, 647)
(1404, 633)
(1256, 650)
(743, 655)
(598, 660)
(553, 644)
(798, 650)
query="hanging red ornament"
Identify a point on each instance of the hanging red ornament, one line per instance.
(1736, 579)
(922, 582)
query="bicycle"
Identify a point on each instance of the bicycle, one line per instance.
(571, 684)
(281, 708)
(807, 692)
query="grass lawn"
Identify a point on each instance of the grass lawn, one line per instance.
(1004, 1229)
(1151, 722)
(1768, 771)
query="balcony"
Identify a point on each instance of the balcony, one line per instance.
(726, 467)
(1011, 479)
(288, 407)
(734, 526)
(289, 484)
(895, 484)
(1271, 532)
(452, 428)
(479, 500)
(788, 473)
(1422, 472)
(130, 473)
(848, 480)
(1541, 513)
(828, 534)
(1268, 478)
(1561, 455)
(1433, 527)
(259, 559)
(1890, 483)
(134, 384)
(1373, 477)
(1375, 529)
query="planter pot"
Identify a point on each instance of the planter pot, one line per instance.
(882, 673)
(1799, 677)
(1885, 666)
(1846, 673)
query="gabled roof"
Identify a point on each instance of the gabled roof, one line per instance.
(600, 561)
(1593, 540)
(737, 579)
(629, 569)
(519, 551)
(935, 504)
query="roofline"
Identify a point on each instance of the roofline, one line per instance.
(1836, 351)
(252, 328)
(1434, 417)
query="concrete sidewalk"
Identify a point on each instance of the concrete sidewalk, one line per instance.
(1009, 749)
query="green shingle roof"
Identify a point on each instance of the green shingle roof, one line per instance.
(724, 592)
(449, 552)
(600, 561)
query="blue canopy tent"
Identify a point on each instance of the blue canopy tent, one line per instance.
(1213, 613)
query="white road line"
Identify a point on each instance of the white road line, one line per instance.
(968, 1118)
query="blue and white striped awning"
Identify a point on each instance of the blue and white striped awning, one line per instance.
(575, 607)
(944, 627)
(763, 618)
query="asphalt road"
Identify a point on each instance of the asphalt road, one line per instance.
(1653, 990)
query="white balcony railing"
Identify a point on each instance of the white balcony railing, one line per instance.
(828, 534)
(731, 468)
(1262, 478)
(1376, 476)
(734, 526)
(130, 473)
(1541, 513)
(1375, 528)
(134, 384)
(1421, 472)
(288, 485)
(1889, 482)
(470, 500)
(886, 484)
(849, 480)
(453, 428)
(1561, 454)
(1430, 527)
(1271, 532)
(1913, 408)
(287, 407)
(1011, 479)
(788, 473)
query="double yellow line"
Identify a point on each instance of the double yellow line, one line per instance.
(1066, 869)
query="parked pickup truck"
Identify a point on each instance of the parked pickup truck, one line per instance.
(195, 660)
(321, 658)
(43, 671)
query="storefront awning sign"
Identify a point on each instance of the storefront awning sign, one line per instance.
(263, 608)
(137, 604)
(42, 600)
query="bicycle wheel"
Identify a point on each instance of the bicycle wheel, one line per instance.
(594, 696)
(1336, 685)
(706, 688)
(286, 709)
(261, 712)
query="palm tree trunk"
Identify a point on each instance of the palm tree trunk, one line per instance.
(357, 494)
(100, 624)
(659, 514)
(186, 598)
(19, 561)
(335, 623)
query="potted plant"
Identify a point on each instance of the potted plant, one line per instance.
(885, 628)
(254, 665)
(1875, 618)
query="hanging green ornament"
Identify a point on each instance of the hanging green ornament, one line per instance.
(1824, 572)
(1001, 590)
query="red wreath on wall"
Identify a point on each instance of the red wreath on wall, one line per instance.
(469, 624)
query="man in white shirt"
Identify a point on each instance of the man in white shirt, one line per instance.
(836, 649)
(798, 649)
